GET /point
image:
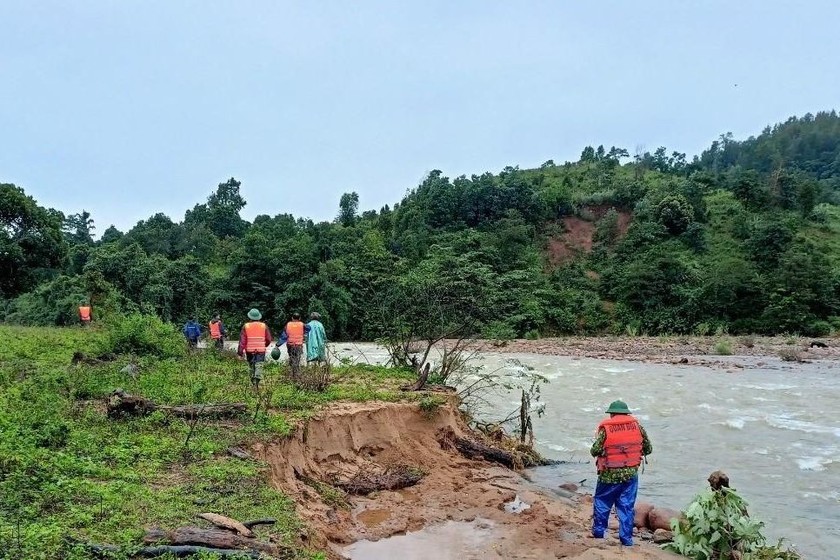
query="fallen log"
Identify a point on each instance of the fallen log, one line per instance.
(224, 522)
(523, 456)
(255, 522)
(121, 404)
(392, 479)
(239, 453)
(212, 538)
(475, 450)
(178, 551)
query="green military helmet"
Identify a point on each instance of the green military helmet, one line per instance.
(618, 407)
(254, 314)
(275, 353)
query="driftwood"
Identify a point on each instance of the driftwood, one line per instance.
(523, 456)
(239, 453)
(227, 523)
(422, 378)
(211, 538)
(392, 479)
(178, 551)
(122, 404)
(255, 522)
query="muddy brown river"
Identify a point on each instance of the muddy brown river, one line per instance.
(774, 428)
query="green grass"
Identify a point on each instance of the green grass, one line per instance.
(66, 470)
(723, 348)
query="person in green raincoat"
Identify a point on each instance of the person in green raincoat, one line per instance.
(316, 340)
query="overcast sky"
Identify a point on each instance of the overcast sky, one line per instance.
(128, 108)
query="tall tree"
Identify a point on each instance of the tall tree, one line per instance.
(348, 208)
(31, 241)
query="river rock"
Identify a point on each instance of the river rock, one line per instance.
(660, 518)
(640, 518)
(645, 535)
(661, 536)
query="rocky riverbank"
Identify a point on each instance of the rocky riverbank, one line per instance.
(715, 351)
(462, 507)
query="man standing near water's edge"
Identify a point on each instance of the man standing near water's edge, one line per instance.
(619, 448)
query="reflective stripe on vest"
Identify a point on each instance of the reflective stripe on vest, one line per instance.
(215, 330)
(84, 313)
(623, 445)
(294, 332)
(255, 336)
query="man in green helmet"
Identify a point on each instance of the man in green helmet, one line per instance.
(253, 341)
(620, 447)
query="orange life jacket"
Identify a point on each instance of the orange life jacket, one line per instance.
(255, 336)
(215, 330)
(623, 445)
(294, 333)
(84, 312)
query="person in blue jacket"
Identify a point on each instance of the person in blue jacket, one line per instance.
(192, 332)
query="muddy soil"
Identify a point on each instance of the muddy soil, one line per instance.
(457, 509)
(746, 352)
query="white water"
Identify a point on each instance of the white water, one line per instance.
(774, 430)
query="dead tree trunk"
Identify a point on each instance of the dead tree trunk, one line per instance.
(422, 378)
(122, 404)
(393, 479)
(212, 538)
(178, 551)
(472, 449)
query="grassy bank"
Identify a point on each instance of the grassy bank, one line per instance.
(70, 474)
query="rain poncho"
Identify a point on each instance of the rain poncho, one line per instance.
(316, 342)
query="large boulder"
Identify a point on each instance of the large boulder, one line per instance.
(641, 518)
(660, 518)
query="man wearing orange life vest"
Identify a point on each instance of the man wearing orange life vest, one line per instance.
(294, 336)
(620, 447)
(253, 341)
(84, 314)
(218, 332)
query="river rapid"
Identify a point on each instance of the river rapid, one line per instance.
(774, 429)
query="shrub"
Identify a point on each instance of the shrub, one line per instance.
(533, 334)
(143, 335)
(747, 341)
(702, 329)
(723, 348)
(717, 525)
(819, 328)
(430, 403)
(498, 330)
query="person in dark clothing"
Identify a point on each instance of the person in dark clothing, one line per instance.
(192, 332)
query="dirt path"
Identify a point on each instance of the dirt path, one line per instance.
(346, 439)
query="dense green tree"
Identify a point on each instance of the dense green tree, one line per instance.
(111, 235)
(348, 207)
(78, 228)
(746, 237)
(31, 242)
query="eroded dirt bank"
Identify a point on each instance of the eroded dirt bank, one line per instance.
(347, 439)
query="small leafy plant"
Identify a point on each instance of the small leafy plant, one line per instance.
(723, 348)
(717, 526)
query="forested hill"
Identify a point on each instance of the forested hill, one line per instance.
(743, 238)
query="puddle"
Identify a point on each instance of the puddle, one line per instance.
(372, 517)
(517, 505)
(452, 540)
